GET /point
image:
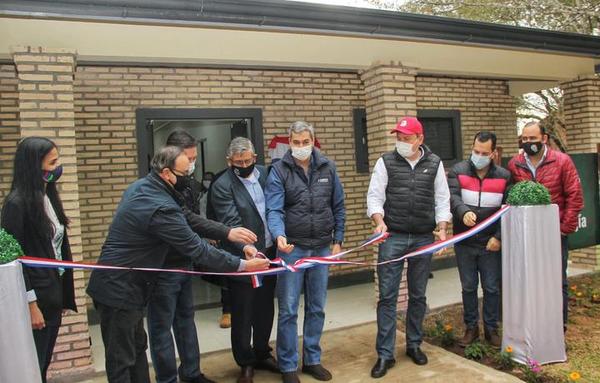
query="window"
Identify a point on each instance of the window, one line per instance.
(361, 144)
(442, 134)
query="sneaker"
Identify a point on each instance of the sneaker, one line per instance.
(471, 335)
(317, 371)
(225, 321)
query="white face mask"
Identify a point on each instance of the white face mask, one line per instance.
(405, 149)
(192, 168)
(302, 153)
(479, 161)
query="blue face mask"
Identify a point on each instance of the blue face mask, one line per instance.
(479, 161)
(52, 175)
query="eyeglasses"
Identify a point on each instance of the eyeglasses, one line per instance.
(243, 163)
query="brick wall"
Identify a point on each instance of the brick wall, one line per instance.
(45, 105)
(9, 125)
(483, 104)
(106, 99)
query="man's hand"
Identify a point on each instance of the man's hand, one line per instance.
(256, 264)
(493, 245)
(37, 318)
(282, 245)
(250, 251)
(242, 235)
(469, 219)
(337, 248)
(440, 235)
(380, 226)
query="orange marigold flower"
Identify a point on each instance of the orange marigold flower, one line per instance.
(574, 376)
(573, 287)
(508, 349)
(448, 328)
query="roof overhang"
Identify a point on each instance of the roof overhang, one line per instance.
(292, 35)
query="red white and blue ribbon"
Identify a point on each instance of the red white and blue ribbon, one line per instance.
(278, 265)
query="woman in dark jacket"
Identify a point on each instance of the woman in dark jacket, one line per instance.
(34, 215)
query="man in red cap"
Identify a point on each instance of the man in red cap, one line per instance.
(408, 197)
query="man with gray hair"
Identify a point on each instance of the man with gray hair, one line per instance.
(148, 222)
(238, 200)
(306, 215)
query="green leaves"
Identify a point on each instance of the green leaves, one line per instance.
(528, 193)
(9, 248)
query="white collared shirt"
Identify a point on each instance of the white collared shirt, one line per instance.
(379, 180)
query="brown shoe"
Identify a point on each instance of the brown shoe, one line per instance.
(246, 375)
(493, 337)
(471, 335)
(225, 321)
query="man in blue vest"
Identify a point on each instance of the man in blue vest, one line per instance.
(408, 197)
(305, 215)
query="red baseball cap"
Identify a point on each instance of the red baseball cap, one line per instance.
(408, 125)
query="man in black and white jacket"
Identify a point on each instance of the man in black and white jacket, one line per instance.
(478, 188)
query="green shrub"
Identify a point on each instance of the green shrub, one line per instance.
(476, 351)
(9, 248)
(528, 193)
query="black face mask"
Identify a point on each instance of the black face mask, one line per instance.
(243, 172)
(533, 148)
(183, 182)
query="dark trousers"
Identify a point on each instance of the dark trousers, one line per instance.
(252, 313)
(172, 306)
(45, 339)
(564, 247)
(226, 300)
(125, 344)
(475, 262)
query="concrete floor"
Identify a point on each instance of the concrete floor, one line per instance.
(350, 307)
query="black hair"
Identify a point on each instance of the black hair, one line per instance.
(28, 184)
(182, 139)
(485, 136)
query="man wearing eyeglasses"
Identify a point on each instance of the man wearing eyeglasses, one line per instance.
(238, 200)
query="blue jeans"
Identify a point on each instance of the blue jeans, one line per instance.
(172, 305)
(389, 276)
(473, 262)
(289, 288)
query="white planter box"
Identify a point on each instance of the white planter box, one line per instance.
(18, 358)
(532, 284)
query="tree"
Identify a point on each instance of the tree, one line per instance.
(579, 16)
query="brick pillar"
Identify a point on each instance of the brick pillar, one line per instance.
(582, 117)
(390, 94)
(45, 101)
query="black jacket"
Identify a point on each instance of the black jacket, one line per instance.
(410, 194)
(234, 207)
(205, 228)
(481, 196)
(53, 294)
(146, 224)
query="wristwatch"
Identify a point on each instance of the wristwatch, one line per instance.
(337, 242)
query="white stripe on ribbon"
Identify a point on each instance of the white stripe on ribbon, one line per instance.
(280, 264)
